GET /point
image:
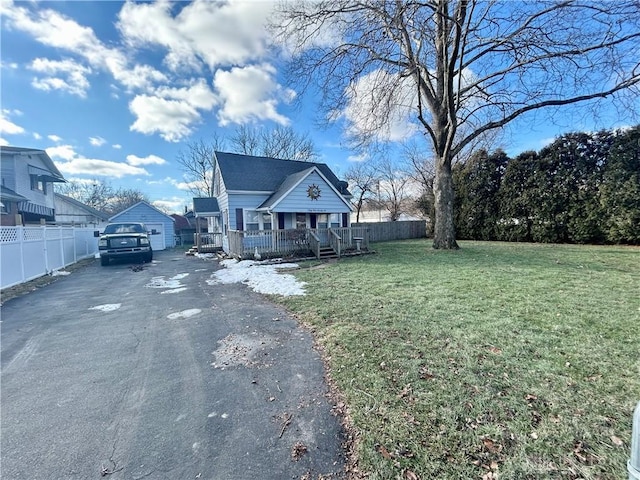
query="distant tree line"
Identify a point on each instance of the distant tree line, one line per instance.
(583, 188)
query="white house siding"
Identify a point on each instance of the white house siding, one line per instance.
(298, 200)
(23, 181)
(146, 214)
(69, 214)
(9, 172)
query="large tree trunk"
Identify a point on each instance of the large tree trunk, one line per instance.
(444, 232)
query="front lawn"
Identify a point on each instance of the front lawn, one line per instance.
(510, 361)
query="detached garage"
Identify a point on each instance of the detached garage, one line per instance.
(156, 221)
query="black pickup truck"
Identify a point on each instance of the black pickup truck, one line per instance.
(124, 240)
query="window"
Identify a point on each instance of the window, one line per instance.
(266, 221)
(3, 209)
(38, 184)
(323, 220)
(335, 220)
(251, 220)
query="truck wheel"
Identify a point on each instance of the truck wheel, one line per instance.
(104, 261)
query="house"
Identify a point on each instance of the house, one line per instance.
(27, 176)
(157, 222)
(273, 205)
(186, 226)
(70, 211)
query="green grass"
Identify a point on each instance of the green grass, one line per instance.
(510, 361)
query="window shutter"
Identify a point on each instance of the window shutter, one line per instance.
(314, 220)
(345, 220)
(239, 219)
(280, 220)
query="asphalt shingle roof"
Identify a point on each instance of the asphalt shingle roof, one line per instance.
(265, 174)
(205, 205)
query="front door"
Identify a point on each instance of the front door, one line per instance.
(301, 220)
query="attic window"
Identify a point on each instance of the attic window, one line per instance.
(38, 184)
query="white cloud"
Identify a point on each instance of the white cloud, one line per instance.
(172, 119)
(62, 152)
(10, 65)
(91, 166)
(54, 29)
(97, 141)
(173, 205)
(215, 33)
(117, 146)
(8, 127)
(37, 136)
(65, 75)
(70, 162)
(54, 138)
(380, 107)
(249, 94)
(148, 160)
(4, 142)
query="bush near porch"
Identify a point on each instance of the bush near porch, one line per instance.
(511, 361)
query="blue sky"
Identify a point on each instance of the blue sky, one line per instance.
(115, 90)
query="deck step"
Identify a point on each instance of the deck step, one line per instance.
(327, 252)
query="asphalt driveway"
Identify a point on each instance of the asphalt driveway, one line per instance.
(158, 374)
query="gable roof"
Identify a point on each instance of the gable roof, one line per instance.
(181, 222)
(291, 182)
(87, 208)
(142, 202)
(52, 175)
(202, 205)
(266, 174)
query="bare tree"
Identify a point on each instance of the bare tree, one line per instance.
(196, 161)
(362, 178)
(278, 142)
(458, 69)
(124, 198)
(101, 195)
(393, 188)
(94, 193)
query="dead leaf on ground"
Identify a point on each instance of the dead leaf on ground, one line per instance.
(298, 450)
(491, 446)
(410, 475)
(384, 452)
(495, 350)
(616, 441)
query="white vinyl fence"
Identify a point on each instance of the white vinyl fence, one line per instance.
(31, 252)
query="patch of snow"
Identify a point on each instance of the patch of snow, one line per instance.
(59, 273)
(184, 314)
(262, 277)
(160, 282)
(179, 276)
(109, 307)
(97, 255)
(206, 255)
(174, 290)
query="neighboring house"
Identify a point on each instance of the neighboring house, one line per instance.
(159, 223)
(255, 195)
(186, 226)
(70, 211)
(27, 177)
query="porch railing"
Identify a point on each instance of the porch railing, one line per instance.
(245, 243)
(207, 242)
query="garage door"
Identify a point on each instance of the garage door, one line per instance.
(157, 240)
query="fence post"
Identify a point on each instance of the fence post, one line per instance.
(20, 234)
(633, 466)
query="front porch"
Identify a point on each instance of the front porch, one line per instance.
(317, 242)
